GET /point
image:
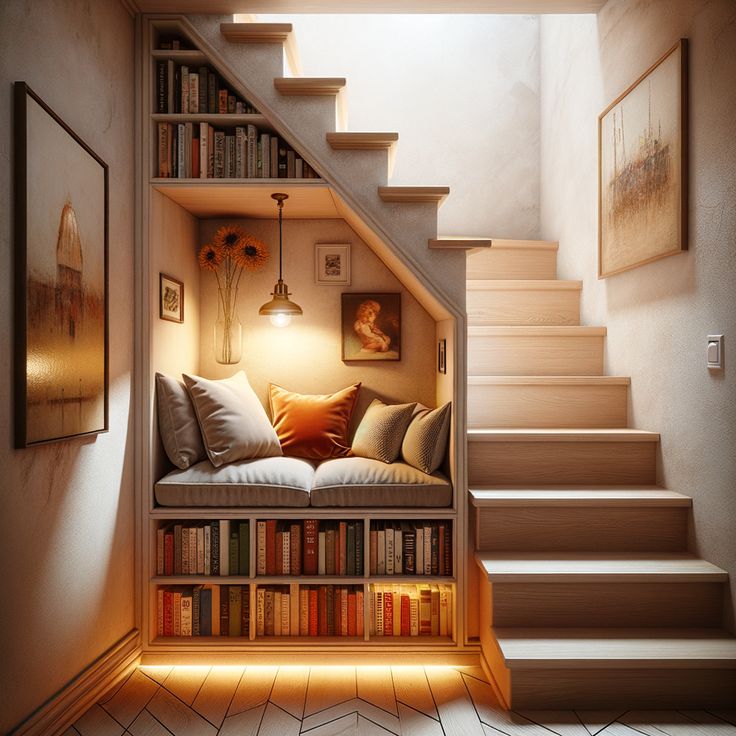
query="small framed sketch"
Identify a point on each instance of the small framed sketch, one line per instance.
(442, 356)
(171, 299)
(371, 326)
(332, 263)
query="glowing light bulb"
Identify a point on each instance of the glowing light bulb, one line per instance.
(280, 319)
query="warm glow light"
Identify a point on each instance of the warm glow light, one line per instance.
(280, 319)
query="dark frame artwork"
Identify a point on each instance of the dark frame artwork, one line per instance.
(442, 355)
(371, 326)
(171, 298)
(61, 278)
(643, 168)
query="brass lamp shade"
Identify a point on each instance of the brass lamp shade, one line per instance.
(280, 304)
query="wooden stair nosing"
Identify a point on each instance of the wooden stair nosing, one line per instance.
(548, 380)
(256, 32)
(498, 243)
(309, 86)
(561, 435)
(616, 648)
(354, 141)
(458, 243)
(414, 194)
(522, 285)
(595, 567)
(535, 331)
(603, 497)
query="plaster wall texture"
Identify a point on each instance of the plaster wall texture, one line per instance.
(306, 356)
(67, 521)
(462, 92)
(658, 315)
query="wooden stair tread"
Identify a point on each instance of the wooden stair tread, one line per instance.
(619, 648)
(549, 380)
(459, 243)
(561, 435)
(522, 285)
(524, 244)
(600, 567)
(282, 33)
(436, 194)
(361, 141)
(596, 497)
(309, 85)
(535, 331)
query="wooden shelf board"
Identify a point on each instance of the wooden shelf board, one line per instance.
(561, 435)
(353, 141)
(301, 580)
(590, 567)
(221, 120)
(181, 56)
(577, 497)
(458, 243)
(309, 86)
(498, 243)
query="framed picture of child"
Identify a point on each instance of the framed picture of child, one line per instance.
(371, 326)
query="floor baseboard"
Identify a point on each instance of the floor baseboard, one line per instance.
(62, 709)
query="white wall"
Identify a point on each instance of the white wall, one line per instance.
(463, 94)
(658, 315)
(66, 525)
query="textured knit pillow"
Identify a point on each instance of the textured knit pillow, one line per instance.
(313, 426)
(381, 431)
(177, 423)
(233, 421)
(425, 441)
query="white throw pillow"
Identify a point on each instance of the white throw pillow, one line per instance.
(177, 423)
(234, 423)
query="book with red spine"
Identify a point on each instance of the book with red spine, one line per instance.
(322, 610)
(309, 558)
(405, 614)
(303, 611)
(168, 552)
(342, 558)
(359, 612)
(313, 612)
(352, 623)
(168, 624)
(295, 549)
(160, 612)
(330, 610)
(388, 613)
(271, 547)
(278, 547)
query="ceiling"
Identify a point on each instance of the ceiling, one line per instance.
(298, 7)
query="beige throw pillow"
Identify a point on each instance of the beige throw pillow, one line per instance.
(425, 441)
(381, 430)
(177, 423)
(234, 423)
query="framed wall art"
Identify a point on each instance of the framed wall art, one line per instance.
(332, 263)
(171, 298)
(61, 272)
(642, 168)
(442, 355)
(371, 326)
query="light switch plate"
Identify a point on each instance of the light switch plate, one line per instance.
(714, 354)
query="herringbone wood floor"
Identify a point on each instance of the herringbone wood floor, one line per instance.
(338, 700)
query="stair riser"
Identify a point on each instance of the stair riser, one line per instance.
(622, 688)
(558, 355)
(606, 604)
(523, 307)
(548, 406)
(503, 263)
(537, 463)
(570, 529)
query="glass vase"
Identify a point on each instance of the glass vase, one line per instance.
(228, 338)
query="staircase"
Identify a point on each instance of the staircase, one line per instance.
(588, 596)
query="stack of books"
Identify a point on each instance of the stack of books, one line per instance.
(411, 610)
(204, 610)
(411, 548)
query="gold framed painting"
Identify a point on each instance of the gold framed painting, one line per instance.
(642, 168)
(61, 278)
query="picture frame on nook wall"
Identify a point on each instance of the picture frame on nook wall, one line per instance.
(61, 278)
(371, 326)
(332, 263)
(642, 168)
(442, 355)
(171, 298)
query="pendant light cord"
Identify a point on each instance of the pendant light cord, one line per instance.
(281, 247)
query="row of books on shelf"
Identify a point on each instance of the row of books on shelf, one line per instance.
(410, 610)
(204, 610)
(305, 610)
(411, 548)
(198, 151)
(218, 547)
(184, 90)
(309, 547)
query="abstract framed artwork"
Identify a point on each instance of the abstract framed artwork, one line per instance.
(642, 168)
(171, 298)
(371, 326)
(332, 263)
(61, 278)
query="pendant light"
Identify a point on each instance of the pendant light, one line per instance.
(280, 309)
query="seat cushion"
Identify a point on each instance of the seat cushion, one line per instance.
(268, 481)
(362, 481)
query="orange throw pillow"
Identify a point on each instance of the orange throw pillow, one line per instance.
(313, 426)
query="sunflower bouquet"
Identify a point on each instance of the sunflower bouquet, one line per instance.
(229, 254)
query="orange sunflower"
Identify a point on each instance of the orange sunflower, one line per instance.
(210, 257)
(227, 238)
(250, 253)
